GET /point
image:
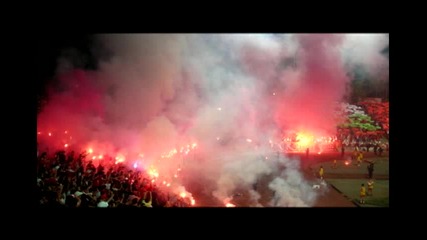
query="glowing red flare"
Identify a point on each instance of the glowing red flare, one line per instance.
(248, 140)
(193, 202)
(153, 172)
(50, 134)
(90, 150)
(135, 165)
(66, 132)
(229, 205)
(304, 141)
(39, 133)
(183, 194)
(119, 159)
(66, 145)
(168, 185)
(100, 157)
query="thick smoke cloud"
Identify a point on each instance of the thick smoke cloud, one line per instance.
(365, 50)
(230, 94)
(318, 81)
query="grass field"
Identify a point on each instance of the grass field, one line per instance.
(350, 187)
(348, 178)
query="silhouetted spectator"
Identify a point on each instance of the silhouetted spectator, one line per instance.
(370, 170)
(342, 151)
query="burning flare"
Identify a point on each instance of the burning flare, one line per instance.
(227, 202)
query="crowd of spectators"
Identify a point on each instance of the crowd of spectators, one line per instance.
(379, 112)
(66, 180)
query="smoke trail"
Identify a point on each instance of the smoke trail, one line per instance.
(240, 171)
(290, 188)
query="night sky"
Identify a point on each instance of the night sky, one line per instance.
(52, 46)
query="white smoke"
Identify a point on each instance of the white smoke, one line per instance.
(365, 50)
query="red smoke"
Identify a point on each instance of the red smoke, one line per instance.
(321, 82)
(75, 97)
